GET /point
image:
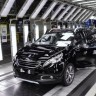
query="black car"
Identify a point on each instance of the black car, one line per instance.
(55, 56)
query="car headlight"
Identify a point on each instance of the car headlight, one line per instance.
(53, 60)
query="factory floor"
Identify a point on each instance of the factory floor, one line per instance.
(83, 84)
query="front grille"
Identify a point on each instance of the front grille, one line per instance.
(31, 63)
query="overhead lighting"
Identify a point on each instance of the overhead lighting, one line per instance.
(1, 55)
(38, 8)
(93, 17)
(24, 8)
(6, 8)
(53, 4)
(93, 6)
(70, 13)
(76, 0)
(64, 12)
(87, 12)
(87, 2)
(13, 39)
(79, 15)
(25, 33)
(70, 19)
(57, 11)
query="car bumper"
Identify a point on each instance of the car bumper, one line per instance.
(38, 78)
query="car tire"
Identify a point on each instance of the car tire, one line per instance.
(68, 75)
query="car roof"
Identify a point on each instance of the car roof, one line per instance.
(55, 30)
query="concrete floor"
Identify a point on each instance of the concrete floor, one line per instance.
(10, 86)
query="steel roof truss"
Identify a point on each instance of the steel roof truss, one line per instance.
(72, 17)
(87, 12)
(6, 8)
(90, 14)
(70, 13)
(64, 12)
(80, 15)
(57, 11)
(24, 8)
(50, 8)
(38, 9)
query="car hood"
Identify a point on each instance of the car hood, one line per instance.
(38, 52)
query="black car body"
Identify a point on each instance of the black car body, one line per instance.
(54, 57)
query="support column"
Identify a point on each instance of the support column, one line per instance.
(25, 33)
(32, 30)
(41, 28)
(13, 39)
(45, 27)
(1, 55)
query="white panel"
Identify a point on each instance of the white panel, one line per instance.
(64, 26)
(45, 28)
(6, 8)
(38, 9)
(79, 15)
(53, 4)
(72, 17)
(58, 27)
(25, 33)
(36, 32)
(69, 26)
(24, 8)
(70, 13)
(64, 12)
(84, 15)
(13, 40)
(57, 11)
(73, 26)
(1, 55)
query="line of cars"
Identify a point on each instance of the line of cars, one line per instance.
(55, 56)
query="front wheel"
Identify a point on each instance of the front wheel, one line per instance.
(68, 75)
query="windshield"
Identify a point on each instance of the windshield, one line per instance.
(58, 39)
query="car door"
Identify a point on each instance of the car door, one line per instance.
(91, 42)
(82, 57)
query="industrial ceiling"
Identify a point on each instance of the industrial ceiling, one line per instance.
(84, 3)
(60, 10)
